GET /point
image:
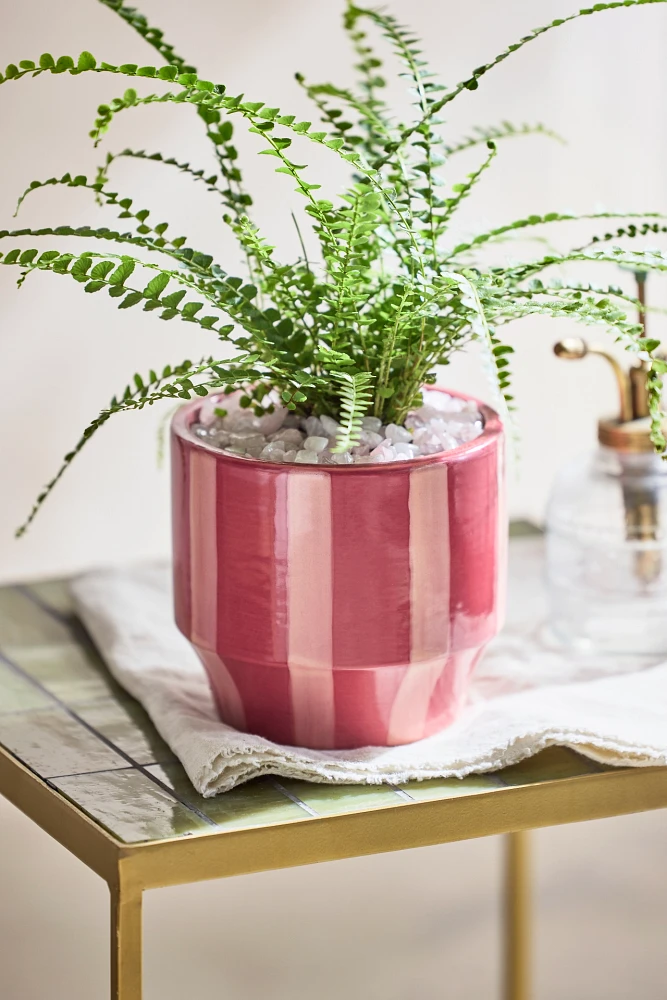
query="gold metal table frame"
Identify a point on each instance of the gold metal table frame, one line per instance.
(129, 870)
(82, 760)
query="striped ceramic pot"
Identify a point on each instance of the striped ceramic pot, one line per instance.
(339, 606)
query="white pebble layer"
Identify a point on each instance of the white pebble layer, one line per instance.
(442, 423)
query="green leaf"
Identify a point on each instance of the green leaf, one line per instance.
(64, 63)
(122, 272)
(101, 270)
(86, 61)
(47, 61)
(131, 300)
(190, 308)
(81, 266)
(156, 286)
(172, 301)
(94, 286)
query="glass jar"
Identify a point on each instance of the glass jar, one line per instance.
(607, 554)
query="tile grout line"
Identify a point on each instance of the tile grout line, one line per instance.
(67, 622)
(24, 590)
(54, 613)
(402, 794)
(107, 742)
(107, 770)
(294, 798)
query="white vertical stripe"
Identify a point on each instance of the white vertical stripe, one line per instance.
(429, 603)
(310, 611)
(204, 583)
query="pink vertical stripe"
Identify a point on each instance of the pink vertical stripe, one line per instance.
(203, 549)
(371, 600)
(503, 541)
(309, 587)
(429, 603)
(180, 513)
(473, 516)
(251, 642)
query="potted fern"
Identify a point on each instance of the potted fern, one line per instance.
(339, 528)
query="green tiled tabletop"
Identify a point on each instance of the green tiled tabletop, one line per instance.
(64, 718)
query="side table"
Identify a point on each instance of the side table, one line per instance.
(81, 759)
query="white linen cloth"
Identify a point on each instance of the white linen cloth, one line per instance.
(525, 695)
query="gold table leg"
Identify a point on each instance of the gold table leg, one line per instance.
(517, 917)
(126, 946)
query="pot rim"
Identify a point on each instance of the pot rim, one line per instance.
(492, 430)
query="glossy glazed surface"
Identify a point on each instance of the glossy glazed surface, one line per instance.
(338, 607)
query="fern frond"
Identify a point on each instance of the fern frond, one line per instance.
(111, 198)
(153, 36)
(551, 217)
(356, 397)
(494, 352)
(472, 81)
(506, 130)
(112, 272)
(210, 180)
(174, 382)
(426, 141)
(333, 116)
(462, 191)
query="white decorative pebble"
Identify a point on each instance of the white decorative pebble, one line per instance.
(441, 424)
(315, 443)
(383, 453)
(240, 423)
(273, 452)
(290, 435)
(371, 424)
(396, 433)
(313, 427)
(331, 426)
(272, 422)
(371, 438)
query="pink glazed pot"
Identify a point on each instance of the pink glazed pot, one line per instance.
(339, 606)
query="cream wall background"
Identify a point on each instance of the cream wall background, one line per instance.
(601, 82)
